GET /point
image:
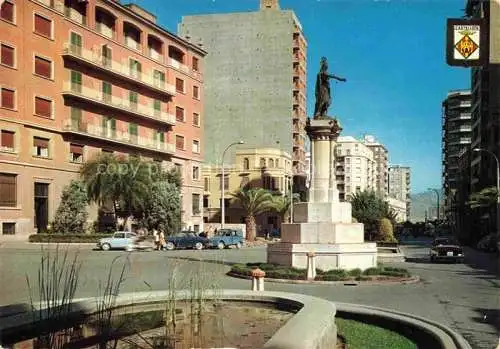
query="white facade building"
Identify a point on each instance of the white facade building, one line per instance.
(355, 167)
(381, 157)
(399, 184)
(399, 207)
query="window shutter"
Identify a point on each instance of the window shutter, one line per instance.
(40, 142)
(43, 26)
(7, 55)
(76, 77)
(195, 64)
(179, 85)
(179, 114)
(196, 119)
(7, 11)
(7, 139)
(132, 129)
(43, 67)
(162, 137)
(157, 105)
(43, 107)
(8, 189)
(179, 142)
(76, 149)
(8, 98)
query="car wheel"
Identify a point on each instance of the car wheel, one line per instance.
(105, 247)
(432, 258)
(198, 246)
(238, 245)
(221, 245)
(170, 246)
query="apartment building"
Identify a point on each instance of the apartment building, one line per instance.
(355, 167)
(255, 78)
(268, 168)
(456, 138)
(381, 157)
(82, 77)
(398, 207)
(400, 184)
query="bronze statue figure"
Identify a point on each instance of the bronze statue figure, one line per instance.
(323, 97)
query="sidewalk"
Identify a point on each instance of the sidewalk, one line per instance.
(25, 245)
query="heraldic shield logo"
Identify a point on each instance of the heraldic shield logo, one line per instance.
(466, 42)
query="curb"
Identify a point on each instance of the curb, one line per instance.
(406, 281)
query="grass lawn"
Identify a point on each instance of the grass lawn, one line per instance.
(363, 336)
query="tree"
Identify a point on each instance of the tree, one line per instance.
(368, 208)
(123, 182)
(71, 215)
(484, 198)
(163, 208)
(281, 205)
(385, 231)
(254, 201)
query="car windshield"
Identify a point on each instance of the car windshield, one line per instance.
(447, 241)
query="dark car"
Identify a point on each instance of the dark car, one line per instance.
(446, 249)
(227, 237)
(186, 239)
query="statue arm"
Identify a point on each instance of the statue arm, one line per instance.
(331, 76)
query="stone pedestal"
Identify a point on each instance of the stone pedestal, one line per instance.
(323, 225)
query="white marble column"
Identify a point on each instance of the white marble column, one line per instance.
(321, 168)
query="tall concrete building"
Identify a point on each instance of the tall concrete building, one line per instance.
(456, 138)
(255, 79)
(381, 157)
(399, 185)
(82, 77)
(355, 167)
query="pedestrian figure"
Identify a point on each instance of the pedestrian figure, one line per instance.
(162, 240)
(156, 238)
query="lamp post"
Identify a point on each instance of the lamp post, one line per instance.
(222, 191)
(498, 190)
(437, 202)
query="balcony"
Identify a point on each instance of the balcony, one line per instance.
(96, 60)
(178, 65)
(105, 30)
(116, 103)
(157, 56)
(461, 129)
(132, 43)
(116, 137)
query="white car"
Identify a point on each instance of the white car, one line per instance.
(121, 240)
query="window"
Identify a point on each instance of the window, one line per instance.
(157, 106)
(195, 198)
(135, 68)
(40, 147)
(160, 137)
(205, 201)
(196, 64)
(76, 81)
(6, 140)
(246, 164)
(133, 99)
(196, 92)
(8, 192)
(206, 184)
(196, 173)
(107, 91)
(179, 142)
(262, 162)
(347, 178)
(271, 163)
(178, 168)
(43, 107)
(43, 67)
(226, 183)
(7, 55)
(8, 228)
(348, 151)
(196, 146)
(196, 119)
(7, 11)
(159, 78)
(76, 153)
(8, 98)
(179, 114)
(43, 26)
(133, 130)
(245, 181)
(179, 85)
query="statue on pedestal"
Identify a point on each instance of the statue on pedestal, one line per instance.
(323, 97)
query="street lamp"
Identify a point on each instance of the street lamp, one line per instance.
(223, 206)
(437, 193)
(498, 189)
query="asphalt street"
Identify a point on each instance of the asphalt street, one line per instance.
(465, 297)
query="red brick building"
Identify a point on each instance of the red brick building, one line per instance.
(80, 77)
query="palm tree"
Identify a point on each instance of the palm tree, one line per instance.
(254, 201)
(281, 204)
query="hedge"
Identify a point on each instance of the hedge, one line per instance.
(67, 238)
(275, 271)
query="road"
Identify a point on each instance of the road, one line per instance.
(462, 296)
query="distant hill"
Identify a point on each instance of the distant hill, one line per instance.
(423, 202)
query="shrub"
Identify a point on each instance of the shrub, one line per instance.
(385, 230)
(372, 271)
(355, 272)
(334, 277)
(71, 215)
(67, 238)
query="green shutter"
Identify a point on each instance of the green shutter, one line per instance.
(132, 129)
(76, 77)
(106, 88)
(157, 105)
(76, 39)
(162, 137)
(113, 124)
(132, 97)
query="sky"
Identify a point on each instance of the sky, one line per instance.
(392, 53)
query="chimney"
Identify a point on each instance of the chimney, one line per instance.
(269, 4)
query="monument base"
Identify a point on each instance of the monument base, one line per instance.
(328, 256)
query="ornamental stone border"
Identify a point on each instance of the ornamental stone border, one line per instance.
(404, 281)
(313, 326)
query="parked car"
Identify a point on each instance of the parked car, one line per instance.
(225, 238)
(446, 248)
(121, 240)
(186, 239)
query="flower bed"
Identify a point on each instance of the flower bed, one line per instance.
(274, 271)
(67, 238)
